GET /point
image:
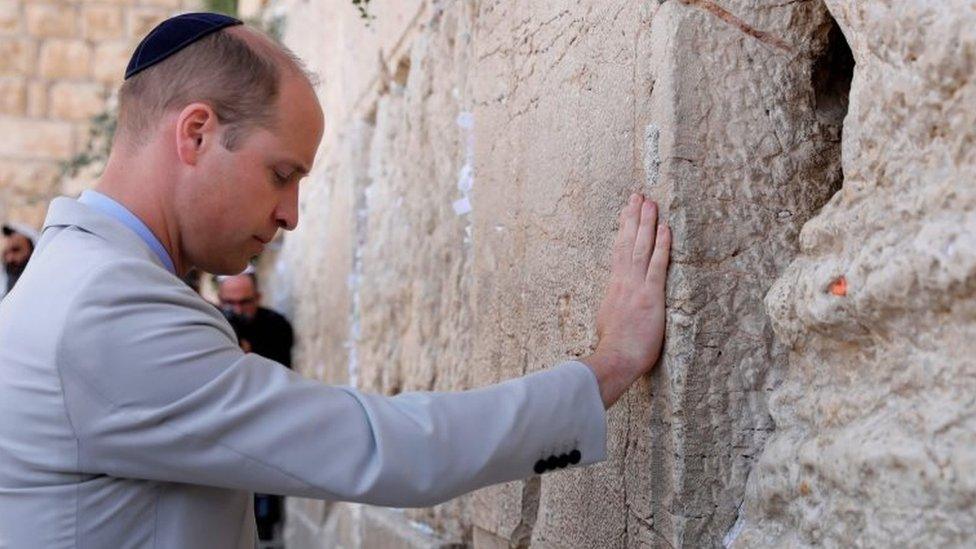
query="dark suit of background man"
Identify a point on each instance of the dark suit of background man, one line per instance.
(263, 332)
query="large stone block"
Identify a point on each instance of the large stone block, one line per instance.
(111, 59)
(37, 91)
(13, 96)
(29, 177)
(35, 139)
(51, 20)
(65, 59)
(171, 4)
(142, 19)
(102, 22)
(76, 100)
(17, 56)
(10, 17)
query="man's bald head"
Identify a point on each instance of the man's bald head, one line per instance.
(239, 294)
(237, 71)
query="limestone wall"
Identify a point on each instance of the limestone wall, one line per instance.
(456, 229)
(875, 441)
(60, 61)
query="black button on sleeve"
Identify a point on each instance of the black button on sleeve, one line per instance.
(563, 460)
(552, 462)
(575, 456)
(540, 467)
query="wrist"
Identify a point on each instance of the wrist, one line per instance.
(610, 373)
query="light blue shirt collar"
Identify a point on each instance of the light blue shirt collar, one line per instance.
(119, 212)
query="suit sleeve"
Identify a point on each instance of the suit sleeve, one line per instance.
(156, 388)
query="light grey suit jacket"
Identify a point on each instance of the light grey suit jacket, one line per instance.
(129, 417)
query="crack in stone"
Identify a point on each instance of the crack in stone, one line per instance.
(730, 18)
(650, 527)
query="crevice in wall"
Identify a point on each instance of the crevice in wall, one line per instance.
(402, 72)
(360, 226)
(831, 73)
(521, 536)
(831, 78)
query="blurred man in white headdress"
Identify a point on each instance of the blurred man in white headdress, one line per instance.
(19, 241)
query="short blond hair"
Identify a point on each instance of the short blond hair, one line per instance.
(237, 71)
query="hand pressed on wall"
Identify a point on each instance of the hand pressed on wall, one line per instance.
(630, 322)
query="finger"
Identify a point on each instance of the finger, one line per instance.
(624, 245)
(657, 271)
(644, 243)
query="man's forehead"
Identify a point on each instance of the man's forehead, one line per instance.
(16, 238)
(300, 123)
(237, 284)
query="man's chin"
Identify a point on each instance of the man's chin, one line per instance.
(225, 268)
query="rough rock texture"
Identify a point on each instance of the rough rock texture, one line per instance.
(875, 440)
(456, 232)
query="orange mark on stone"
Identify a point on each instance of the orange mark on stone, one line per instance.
(730, 18)
(838, 287)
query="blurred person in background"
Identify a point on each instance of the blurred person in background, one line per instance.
(18, 245)
(259, 330)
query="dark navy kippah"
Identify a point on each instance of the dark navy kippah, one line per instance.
(174, 34)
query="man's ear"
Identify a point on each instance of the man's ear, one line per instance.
(196, 131)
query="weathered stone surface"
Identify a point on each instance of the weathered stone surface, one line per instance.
(37, 99)
(50, 19)
(76, 101)
(65, 59)
(13, 96)
(27, 176)
(102, 22)
(16, 56)
(875, 430)
(142, 19)
(34, 139)
(111, 59)
(10, 17)
(172, 4)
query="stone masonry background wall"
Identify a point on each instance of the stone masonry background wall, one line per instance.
(60, 61)
(455, 233)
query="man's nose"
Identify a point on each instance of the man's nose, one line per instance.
(287, 213)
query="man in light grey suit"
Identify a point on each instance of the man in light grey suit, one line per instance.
(129, 417)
